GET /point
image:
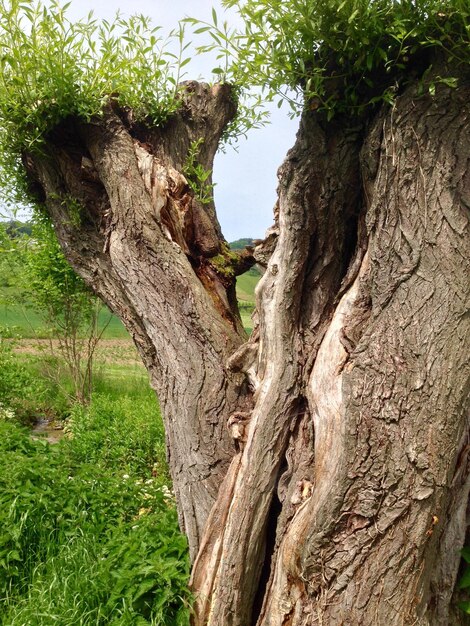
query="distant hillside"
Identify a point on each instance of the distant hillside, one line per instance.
(15, 228)
(247, 282)
(239, 244)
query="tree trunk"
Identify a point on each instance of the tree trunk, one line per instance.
(131, 226)
(346, 476)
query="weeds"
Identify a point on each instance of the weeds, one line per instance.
(88, 527)
(21, 393)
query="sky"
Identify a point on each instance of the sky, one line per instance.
(246, 180)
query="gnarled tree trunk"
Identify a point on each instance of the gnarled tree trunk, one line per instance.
(131, 226)
(341, 426)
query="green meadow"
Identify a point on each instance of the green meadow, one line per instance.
(23, 321)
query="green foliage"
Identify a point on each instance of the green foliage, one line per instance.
(69, 308)
(21, 393)
(464, 582)
(251, 112)
(87, 540)
(52, 69)
(30, 260)
(110, 431)
(197, 176)
(12, 261)
(15, 228)
(339, 55)
(54, 287)
(240, 244)
(336, 55)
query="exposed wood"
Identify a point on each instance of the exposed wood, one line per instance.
(140, 241)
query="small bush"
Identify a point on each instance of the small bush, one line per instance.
(20, 391)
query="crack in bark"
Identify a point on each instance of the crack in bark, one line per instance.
(119, 245)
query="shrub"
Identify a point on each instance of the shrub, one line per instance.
(20, 391)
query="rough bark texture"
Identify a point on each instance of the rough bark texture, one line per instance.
(343, 507)
(131, 226)
(346, 472)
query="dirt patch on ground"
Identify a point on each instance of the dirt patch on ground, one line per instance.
(116, 351)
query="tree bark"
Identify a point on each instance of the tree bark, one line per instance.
(321, 467)
(344, 507)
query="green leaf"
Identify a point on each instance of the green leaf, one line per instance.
(352, 16)
(464, 582)
(465, 552)
(465, 606)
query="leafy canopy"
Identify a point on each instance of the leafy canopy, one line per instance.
(336, 55)
(339, 55)
(51, 68)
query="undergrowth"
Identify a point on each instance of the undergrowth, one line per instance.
(88, 527)
(21, 392)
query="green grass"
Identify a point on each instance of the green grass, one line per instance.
(22, 321)
(37, 384)
(108, 373)
(88, 527)
(115, 328)
(246, 284)
(246, 320)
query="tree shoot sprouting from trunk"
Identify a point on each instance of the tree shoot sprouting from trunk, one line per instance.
(320, 467)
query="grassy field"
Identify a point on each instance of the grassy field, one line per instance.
(22, 321)
(26, 322)
(246, 284)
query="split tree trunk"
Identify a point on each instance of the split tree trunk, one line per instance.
(346, 476)
(130, 225)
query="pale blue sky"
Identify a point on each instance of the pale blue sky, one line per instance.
(246, 181)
